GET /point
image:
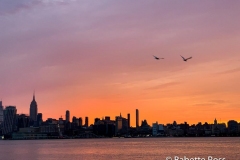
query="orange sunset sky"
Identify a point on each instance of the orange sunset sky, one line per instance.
(94, 58)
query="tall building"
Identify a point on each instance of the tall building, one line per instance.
(118, 124)
(75, 122)
(33, 110)
(155, 129)
(9, 122)
(121, 125)
(22, 121)
(215, 122)
(39, 119)
(74, 119)
(214, 126)
(128, 120)
(60, 121)
(86, 121)
(80, 121)
(124, 125)
(1, 112)
(96, 120)
(107, 118)
(137, 118)
(67, 116)
(232, 127)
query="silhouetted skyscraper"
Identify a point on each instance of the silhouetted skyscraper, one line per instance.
(232, 127)
(75, 122)
(1, 113)
(118, 121)
(215, 122)
(137, 118)
(80, 121)
(107, 118)
(9, 122)
(22, 121)
(86, 121)
(39, 119)
(128, 120)
(96, 120)
(67, 116)
(174, 123)
(33, 109)
(121, 125)
(74, 119)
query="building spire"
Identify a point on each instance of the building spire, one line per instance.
(215, 121)
(33, 94)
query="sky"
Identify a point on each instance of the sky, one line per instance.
(95, 58)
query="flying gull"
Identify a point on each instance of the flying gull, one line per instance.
(185, 59)
(157, 57)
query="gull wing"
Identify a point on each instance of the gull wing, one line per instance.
(189, 58)
(183, 58)
(155, 57)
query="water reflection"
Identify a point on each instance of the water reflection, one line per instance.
(120, 148)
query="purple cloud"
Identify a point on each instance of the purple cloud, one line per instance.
(13, 6)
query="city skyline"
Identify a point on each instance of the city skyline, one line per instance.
(137, 121)
(95, 59)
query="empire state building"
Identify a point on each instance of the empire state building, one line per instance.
(33, 109)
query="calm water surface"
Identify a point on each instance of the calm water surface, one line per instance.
(121, 148)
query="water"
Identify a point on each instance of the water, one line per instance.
(121, 148)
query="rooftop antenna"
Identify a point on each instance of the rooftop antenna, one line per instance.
(34, 94)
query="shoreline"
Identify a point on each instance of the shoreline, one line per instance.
(163, 137)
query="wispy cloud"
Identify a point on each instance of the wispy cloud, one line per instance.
(209, 103)
(13, 6)
(219, 101)
(204, 104)
(163, 86)
(230, 71)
